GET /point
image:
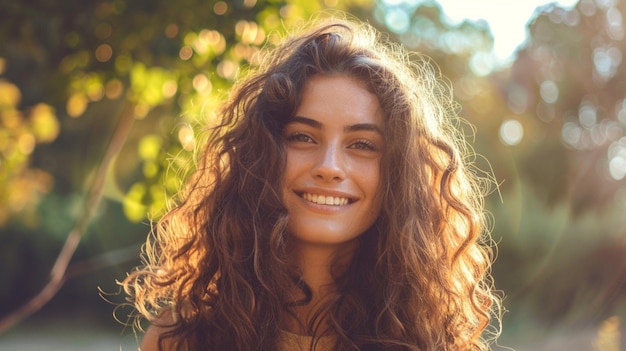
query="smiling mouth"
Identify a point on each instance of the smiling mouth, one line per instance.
(325, 200)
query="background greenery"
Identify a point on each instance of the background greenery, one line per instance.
(551, 127)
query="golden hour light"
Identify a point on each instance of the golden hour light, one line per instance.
(192, 159)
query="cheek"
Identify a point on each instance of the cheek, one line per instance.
(372, 184)
(295, 166)
(371, 177)
(378, 197)
(291, 168)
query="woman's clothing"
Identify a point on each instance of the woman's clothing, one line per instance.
(294, 342)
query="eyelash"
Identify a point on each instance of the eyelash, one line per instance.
(299, 136)
(368, 145)
(361, 144)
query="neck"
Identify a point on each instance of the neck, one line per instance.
(319, 264)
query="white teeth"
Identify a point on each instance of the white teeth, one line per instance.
(325, 200)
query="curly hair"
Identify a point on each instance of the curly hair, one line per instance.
(217, 263)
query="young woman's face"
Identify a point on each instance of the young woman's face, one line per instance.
(334, 148)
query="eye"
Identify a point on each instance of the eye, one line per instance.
(300, 137)
(364, 144)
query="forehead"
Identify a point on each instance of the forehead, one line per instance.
(339, 99)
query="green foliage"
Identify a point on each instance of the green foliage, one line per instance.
(170, 62)
(20, 132)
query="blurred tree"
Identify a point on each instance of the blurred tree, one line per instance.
(564, 99)
(20, 132)
(463, 53)
(576, 97)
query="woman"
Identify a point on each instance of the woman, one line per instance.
(332, 210)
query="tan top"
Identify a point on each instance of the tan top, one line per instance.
(294, 342)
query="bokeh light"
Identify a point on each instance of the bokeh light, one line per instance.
(171, 30)
(76, 105)
(201, 83)
(170, 88)
(617, 159)
(186, 138)
(185, 53)
(511, 132)
(220, 8)
(549, 91)
(114, 89)
(104, 52)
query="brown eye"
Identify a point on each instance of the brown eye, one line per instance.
(364, 145)
(300, 137)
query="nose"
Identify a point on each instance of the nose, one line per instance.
(330, 165)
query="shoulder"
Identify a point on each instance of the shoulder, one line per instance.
(150, 340)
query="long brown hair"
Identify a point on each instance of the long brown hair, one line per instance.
(217, 263)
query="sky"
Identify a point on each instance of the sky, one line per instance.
(507, 19)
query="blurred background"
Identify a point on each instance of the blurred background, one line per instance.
(100, 103)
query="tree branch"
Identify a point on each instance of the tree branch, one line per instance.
(58, 272)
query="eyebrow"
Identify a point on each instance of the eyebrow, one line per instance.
(351, 128)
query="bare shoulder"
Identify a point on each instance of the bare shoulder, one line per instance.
(150, 340)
